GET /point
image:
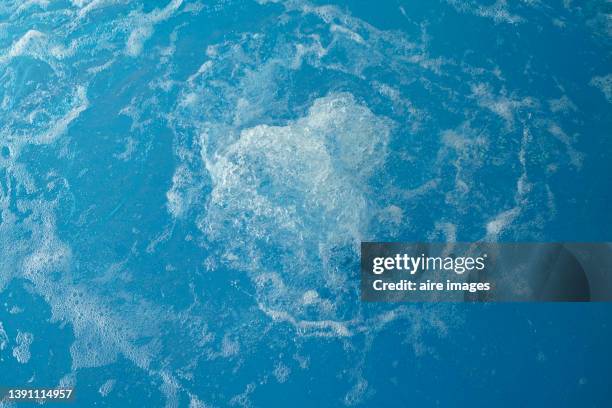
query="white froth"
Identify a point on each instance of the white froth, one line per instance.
(307, 174)
(502, 105)
(3, 337)
(604, 84)
(356, 393)
(107, 387)
(575, 156)
(36, 44)
(31, 43)
(501, 221)
(498, 12)
(183, 193)
(562, 105)
(87, 6)
(21, 351)
(298, 188)
(79, 104)
(146, 26)
(281, 372)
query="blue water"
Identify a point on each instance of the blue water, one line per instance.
(184, 186)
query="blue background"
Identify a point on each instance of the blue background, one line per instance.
(184, 186)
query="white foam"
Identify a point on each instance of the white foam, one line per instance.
(107, 387)
(502, 105)
(335, 28)
(575, 156)
(504, 219)
(562, 105)
(497, 12)
(146, 26)
(356, 394)
(281, 372)
(310, 328)
(42, 4)
(500, 222)
(181, 195)
(87, 6)
(300, 188)
(604, 84)
(38, 45)
(21, 351)
(195, 402)
(31, 43)
(3, 337)
(79, 104)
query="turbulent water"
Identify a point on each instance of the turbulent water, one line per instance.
(184, 186)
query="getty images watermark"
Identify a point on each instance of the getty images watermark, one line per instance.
(396, 272)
